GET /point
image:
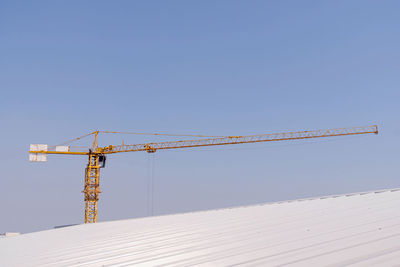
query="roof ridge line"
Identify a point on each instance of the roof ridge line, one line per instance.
(269, 203)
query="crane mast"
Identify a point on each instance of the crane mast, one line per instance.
(92, 188)
(97, 155)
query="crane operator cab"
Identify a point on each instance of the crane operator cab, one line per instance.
(102, 161)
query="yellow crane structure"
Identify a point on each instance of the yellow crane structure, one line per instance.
(97, 154)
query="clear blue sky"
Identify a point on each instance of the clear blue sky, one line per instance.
(208, 67)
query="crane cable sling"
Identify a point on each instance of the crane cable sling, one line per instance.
(162, 134)
(152, 182)
(159, 134)
(75, 139)
(150, 185)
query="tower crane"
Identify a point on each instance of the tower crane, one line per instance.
(97, 154)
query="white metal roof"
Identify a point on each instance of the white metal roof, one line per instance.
(356, 229)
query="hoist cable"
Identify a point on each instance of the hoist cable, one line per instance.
(161, 134)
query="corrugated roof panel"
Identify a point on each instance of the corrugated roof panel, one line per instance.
(359, 229)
